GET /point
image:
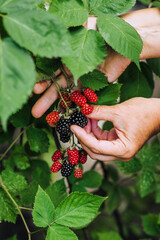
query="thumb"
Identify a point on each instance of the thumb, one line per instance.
(103, 113)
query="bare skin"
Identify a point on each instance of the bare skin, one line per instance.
(134, 120)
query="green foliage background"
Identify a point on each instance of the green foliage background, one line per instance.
(34, 43)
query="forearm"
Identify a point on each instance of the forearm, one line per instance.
(147, 24)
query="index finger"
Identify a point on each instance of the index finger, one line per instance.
(112, 148)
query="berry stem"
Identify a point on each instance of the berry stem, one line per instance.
(11, 145)
(18, 208)
(57, 87)
(66, 76)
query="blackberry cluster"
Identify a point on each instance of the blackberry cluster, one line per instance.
(66, 169)
(79, 119)
(64, 138)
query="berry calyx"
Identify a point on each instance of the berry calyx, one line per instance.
(78, 173)
(82, 157)
(52, 117)
(73, 156)
(78, 98)
(57, 155)
(90, 95)
(56, 166)
(66, 98)
(87, 109)
(79, 119)
(66, 169)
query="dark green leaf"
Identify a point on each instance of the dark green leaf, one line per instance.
(22, 117)
(21, 162)
(149, 156)
(109, 94)
(133, 166)
(8, 211)
(57, 192)
(108, 236)
(70, 12)
(154, 63)
(6, 136)
(78, 188)
(44, 209)
(158, 192)
(108, 126)
(39, 32)
(113, 200)
(103, 7)
(95, 80)
(113, 173)
(58, 232)
(17, 77)
(49, 66)
(136, 83)
(38, 139)
(78, 209)
(150, 225)
(121, 36)
(88, 51)
(14, 182)
(28, 194)
(146, 183)
(12, 238)
(91, 179)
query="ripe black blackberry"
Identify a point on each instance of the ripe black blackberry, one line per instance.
(66, 169)
(64, 138)
(63, 126)
(79, 119)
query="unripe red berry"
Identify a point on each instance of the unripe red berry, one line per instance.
(90, 95)
(78, 173)
(83, 157)
(56, 166)
(87, 109)
(57, 155)
(52, 118)
(78, 98)
(73, 156)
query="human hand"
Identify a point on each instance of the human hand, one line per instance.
(147, 24)
(134, 122)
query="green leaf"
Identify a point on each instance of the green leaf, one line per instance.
(95, 80)
(109, 94)
(8, 211)
(78, 188)
(16, 66)
(108, 236)
(150, 225)
(121, 36)
(113, 200)
(6, 136)
(154, 63)
(86, 4)
(146, 183)
(12, 238)
(133, 166)
(10, 5)
(136, 83)
(48, 66)
(38, 139)
(158, 192)
(113, 172)
(21, 162)
(14, 182)
(57, 192)
(28, 194)
(40, 172)
(108, 126)
(149, 156)
(78, 209)
(39, 32)
(58, 232)
(43, 211)
(70, 12)
(91, 179)
(88, 51)
(21, 118)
